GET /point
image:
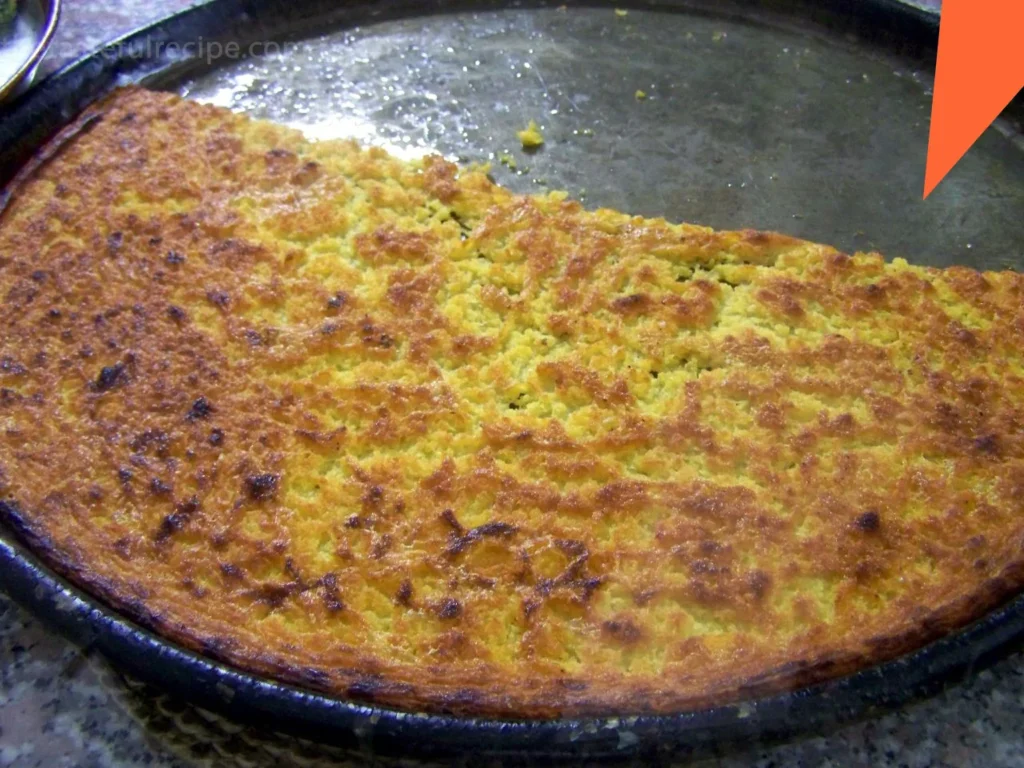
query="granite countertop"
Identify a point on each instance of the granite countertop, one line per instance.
(60, 706)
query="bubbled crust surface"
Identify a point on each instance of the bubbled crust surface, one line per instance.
(387, 431)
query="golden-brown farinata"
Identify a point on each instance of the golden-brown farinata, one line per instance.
(386, 430)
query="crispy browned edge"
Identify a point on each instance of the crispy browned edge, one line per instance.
(375, 689)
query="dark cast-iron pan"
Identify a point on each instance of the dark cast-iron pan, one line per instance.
(900, 29)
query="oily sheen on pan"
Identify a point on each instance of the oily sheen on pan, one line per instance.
(388, 431)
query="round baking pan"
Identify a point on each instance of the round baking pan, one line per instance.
(853, 180)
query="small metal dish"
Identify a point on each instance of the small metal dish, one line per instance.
(23, 46)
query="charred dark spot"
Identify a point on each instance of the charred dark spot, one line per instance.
(177, 314)
(988, 444)
(572, 547)
(332, 599)
(175, 521)
(54, 313)
(200, 409)
(700, 567)
(404, 594)
(494, 529)
(151, 438)
(292, 569)
(159, 488)
(869, 521)
(947, 417)
(38, 276)
(12, 367)
(622, 630)
(759, 582)
(587, 586)
(271, 594)
(307, 174)
(216, 437)
(255, 338)
(375, 337)
(218, 298)
(327, 329)
(232, 571)
(110, 377)
(636, 302)
(458, 541)
(354, 521)
(962, 334)
(262, 486)
(114, 241)
(644, 596)
(449, 608)
(456, 544)
(337, 301)
(189, 507)
(174, 257)
(125, 475)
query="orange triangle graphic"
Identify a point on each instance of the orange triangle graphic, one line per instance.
(980, 69)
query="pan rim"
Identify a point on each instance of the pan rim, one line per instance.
(870, 691)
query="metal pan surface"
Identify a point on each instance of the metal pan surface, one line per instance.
(24, 42)
(805, 117)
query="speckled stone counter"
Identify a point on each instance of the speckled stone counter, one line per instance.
(60, 706)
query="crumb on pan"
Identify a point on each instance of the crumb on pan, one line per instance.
(531, 137)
